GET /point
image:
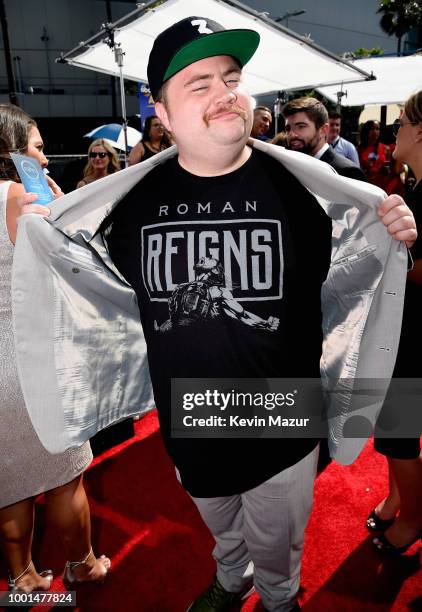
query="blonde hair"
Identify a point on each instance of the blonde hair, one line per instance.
(413, 108)
(113, 164)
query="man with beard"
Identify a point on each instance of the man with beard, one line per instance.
(307, 129)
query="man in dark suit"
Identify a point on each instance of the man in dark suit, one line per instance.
(342, 165)
(307, 128)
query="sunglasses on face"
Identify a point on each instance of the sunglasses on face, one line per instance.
(93, 155)
(398, 124)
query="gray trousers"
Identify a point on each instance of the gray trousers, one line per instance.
(260, 533)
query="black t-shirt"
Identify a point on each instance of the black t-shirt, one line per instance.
(228, 273)
(408, 364)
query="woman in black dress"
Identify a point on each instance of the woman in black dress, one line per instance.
(155, 139)
(404, 455)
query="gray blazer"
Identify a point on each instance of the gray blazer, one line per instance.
(79, 343)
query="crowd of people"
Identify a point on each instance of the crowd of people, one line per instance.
(373, 158)
(254, 495)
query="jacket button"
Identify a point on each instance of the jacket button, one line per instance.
(75, 270)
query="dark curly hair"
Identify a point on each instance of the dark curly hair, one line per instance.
(165, 141)
(15, 126)
(364, 132)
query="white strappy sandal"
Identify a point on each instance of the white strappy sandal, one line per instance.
(12, 583)
(70, 580)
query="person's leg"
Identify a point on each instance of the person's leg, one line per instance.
(67, 510)
(275, 517)
(388, 507)
(408, 476)
(224, 518)
(16, 532)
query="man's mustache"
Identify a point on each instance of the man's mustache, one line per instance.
(233, 108)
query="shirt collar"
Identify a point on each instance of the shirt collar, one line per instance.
(322, 150)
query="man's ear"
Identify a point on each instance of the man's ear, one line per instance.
(323, 130)
(162, 114)
(419, 133)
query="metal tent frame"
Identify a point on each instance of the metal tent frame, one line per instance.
(110, 31)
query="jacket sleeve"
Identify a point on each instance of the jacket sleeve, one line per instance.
(80, 347)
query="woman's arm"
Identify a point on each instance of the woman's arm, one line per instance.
(136, 154)
(18, 203)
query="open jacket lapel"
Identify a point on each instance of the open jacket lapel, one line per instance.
(80, 347)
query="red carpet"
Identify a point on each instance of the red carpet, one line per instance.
(160, 548)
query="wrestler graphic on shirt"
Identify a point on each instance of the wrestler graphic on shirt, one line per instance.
(207, 298)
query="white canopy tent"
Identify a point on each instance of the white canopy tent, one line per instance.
(284, 60)
(397, 78)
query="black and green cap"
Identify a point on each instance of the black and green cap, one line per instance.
(193, 39)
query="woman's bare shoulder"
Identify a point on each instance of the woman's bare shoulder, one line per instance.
(84, 181)
(136, 154)
(13, 209)
(15, 190)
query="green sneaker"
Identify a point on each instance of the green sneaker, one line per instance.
(216, 599)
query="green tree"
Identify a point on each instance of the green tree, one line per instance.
(364, 52)
(399, 17)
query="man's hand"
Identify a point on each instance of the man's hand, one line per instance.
(398, 219)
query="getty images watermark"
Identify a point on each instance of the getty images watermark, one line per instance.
(294, 408)
(244, 400)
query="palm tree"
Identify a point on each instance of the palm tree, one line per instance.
(399, 17)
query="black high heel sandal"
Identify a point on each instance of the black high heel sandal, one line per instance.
(375, 523)
(384, 546)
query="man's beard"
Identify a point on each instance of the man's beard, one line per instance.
(307, 147)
